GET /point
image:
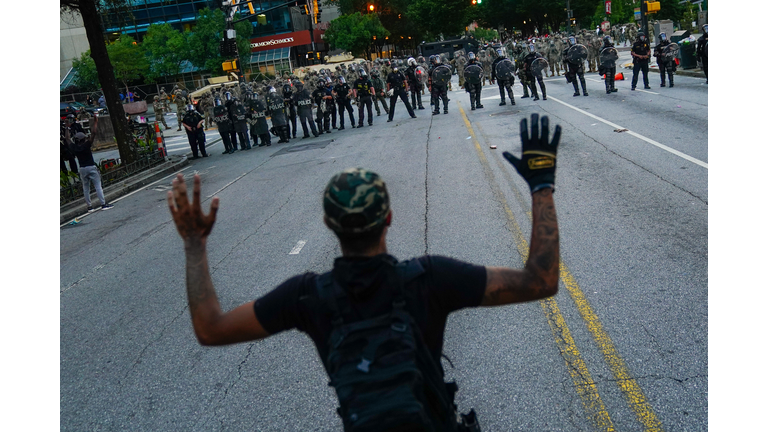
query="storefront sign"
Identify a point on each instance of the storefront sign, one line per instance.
(281, 41)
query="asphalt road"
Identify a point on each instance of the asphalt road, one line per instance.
(623, 346)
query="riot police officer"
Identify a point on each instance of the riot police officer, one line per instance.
(193, 124)
(221, 118)
(504, 75)
(439, 77)
(276, 109)
(302, 99)
(259, 125)
(229, 103)
(641, 52)
(290, 108)
(239, 117)
(396, 84)
(702, 51)
(608, 68)
(474, 76)
(323, 117)
(364, 88)
(574, 66)
(414, 83)
(342, 91)
(665, 65)
(534, 77)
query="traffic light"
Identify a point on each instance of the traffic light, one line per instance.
(250, 7)
(652, 7)
(230, 65)
(261, 19)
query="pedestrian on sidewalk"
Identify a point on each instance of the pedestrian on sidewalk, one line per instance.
(81, 145)
(193, 123)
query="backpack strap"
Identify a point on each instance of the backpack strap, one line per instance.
(325, 290)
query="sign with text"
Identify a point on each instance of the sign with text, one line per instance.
(283, 40)
(608, 7)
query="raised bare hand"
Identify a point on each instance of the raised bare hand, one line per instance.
(190, 221)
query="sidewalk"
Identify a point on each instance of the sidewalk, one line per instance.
(78, 208)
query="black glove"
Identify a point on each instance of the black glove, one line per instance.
(537, 165)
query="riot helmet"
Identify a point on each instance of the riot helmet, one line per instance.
(705, 27)
(420, 59)
(395, 69)
(272, 90)
(411, 61)
(438, 60)
(641, 37)
(362, 72)
(471, 56)
(228, 96)
(286, 88)
(500, 52)
(320, 83)
(375, 72)
(532, 48)
(217, 102)
(342, 80)
(662, 37)
(607, 40)
(571, 40)
(190, 107)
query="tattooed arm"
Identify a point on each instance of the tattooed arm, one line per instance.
(211, 325)
(539, 278)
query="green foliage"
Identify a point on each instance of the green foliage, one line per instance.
(436, 17)
(87, 77)
(355, 32)
(486, 35)
(127, 59)
(208, 32)
(166, 49)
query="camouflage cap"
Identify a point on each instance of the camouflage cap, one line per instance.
(356, 201)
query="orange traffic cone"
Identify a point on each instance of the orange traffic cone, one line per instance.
(619, 76)
(160, 145)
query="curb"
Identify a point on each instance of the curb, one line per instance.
(78, 208)
(696, 73)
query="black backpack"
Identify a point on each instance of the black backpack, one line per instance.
(382, 371)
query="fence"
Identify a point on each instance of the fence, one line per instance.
(112, 171)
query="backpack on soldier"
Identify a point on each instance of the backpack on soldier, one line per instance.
(383, 373)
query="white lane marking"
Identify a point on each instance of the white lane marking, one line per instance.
(227, 185)
(296, 249)
(126, 196)
(637, 135)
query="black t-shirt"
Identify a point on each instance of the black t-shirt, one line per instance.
(640, 48)
(82, 150)
(447, 285)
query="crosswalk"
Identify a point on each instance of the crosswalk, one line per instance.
(179, 144)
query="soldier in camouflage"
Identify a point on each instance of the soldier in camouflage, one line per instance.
(181, 103)
(520, 54)
(159, 108)
(553, 55)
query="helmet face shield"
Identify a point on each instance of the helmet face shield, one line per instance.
(662, 36)
(572, 40)
(532, 48)
(705, 28)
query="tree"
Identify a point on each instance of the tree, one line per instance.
(208, 32)
(87, 75)
(436, 17)
(166, 50)
(128, 60)
(90, 12)
(355, 32)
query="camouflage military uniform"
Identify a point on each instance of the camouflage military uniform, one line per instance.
(159, 108)
(206, 103)
(461, 63)
(180, 102)
(553, 56)
(519, 58)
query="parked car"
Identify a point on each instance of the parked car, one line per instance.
(72, 108)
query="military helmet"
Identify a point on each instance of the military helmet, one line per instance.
(157, 97)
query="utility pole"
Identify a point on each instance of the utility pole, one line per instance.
(644, 19)
(569, 16)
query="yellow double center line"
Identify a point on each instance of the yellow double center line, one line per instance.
(585, 386)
